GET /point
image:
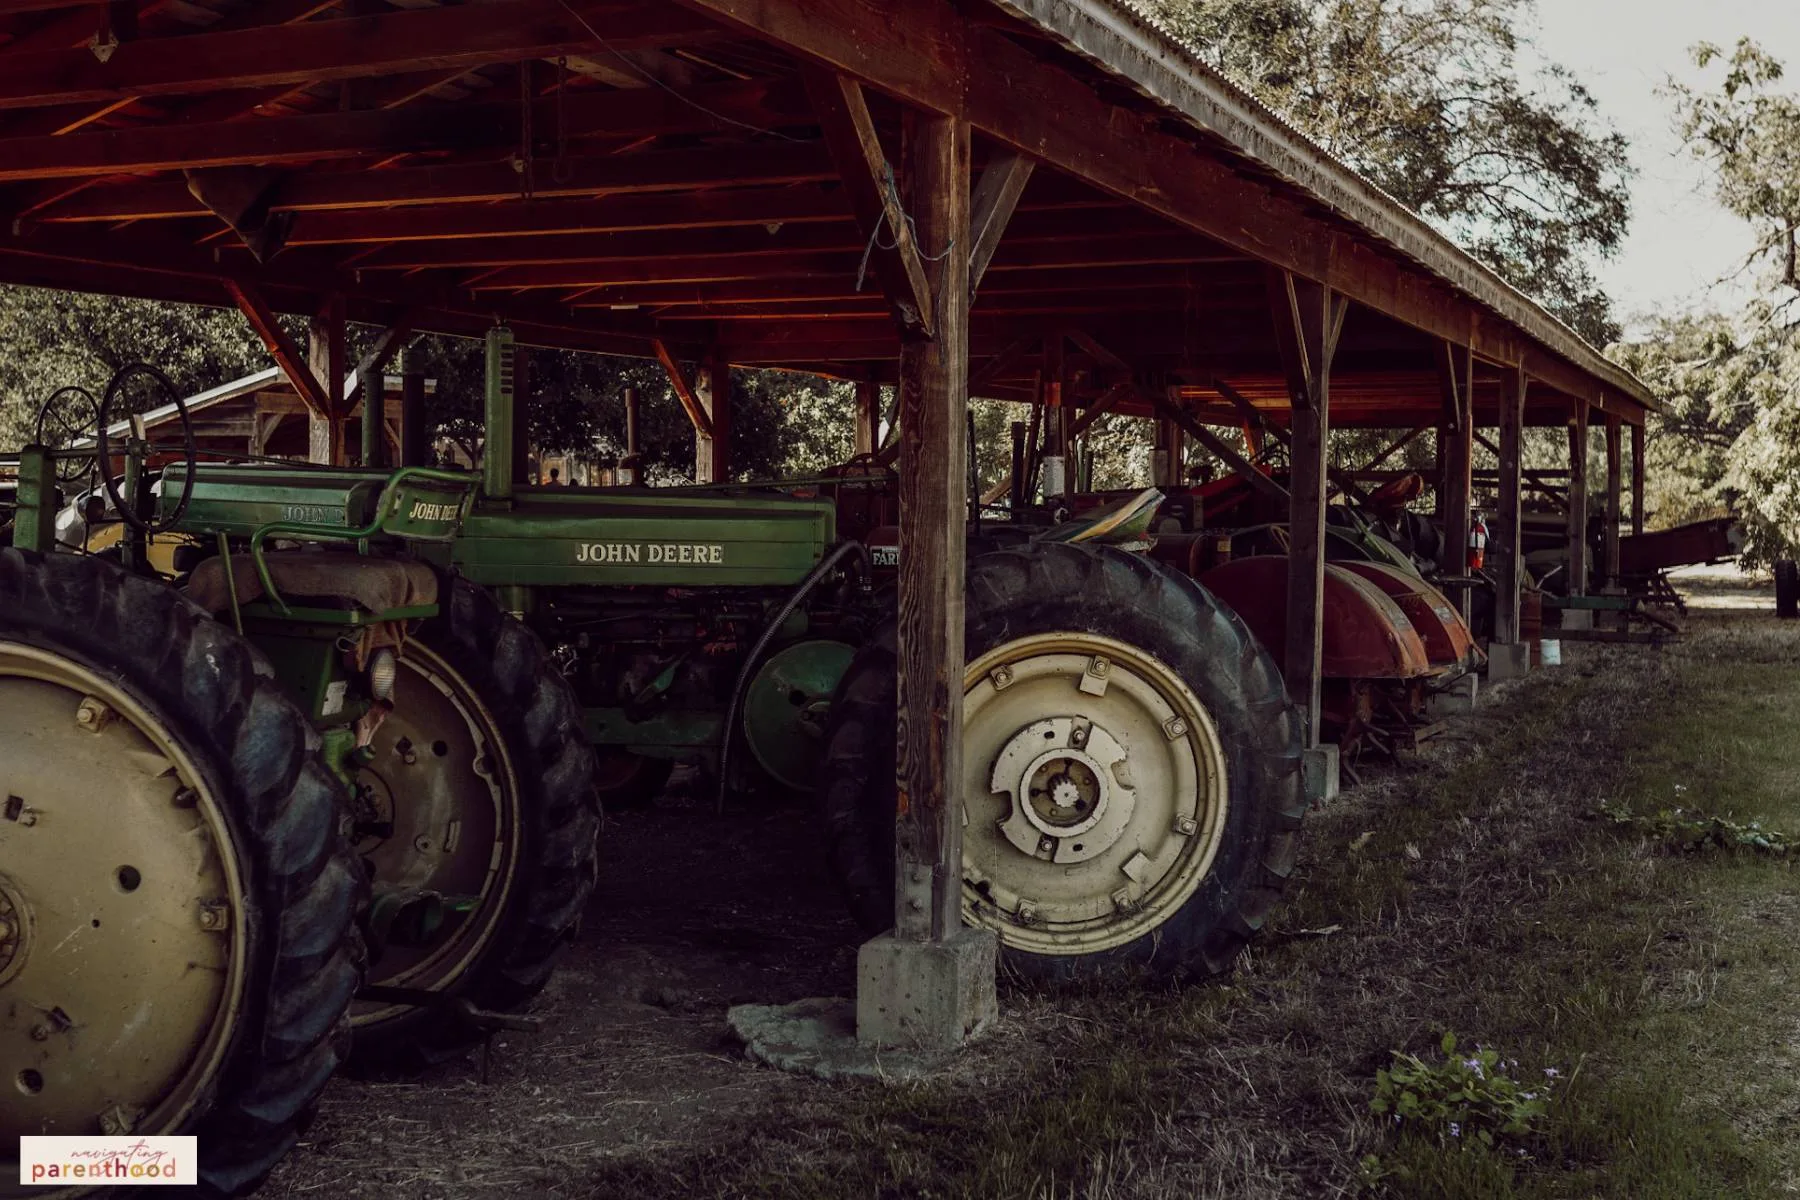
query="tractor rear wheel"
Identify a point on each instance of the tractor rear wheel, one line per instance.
(1787, 589)
(1131, 768)
(178, 946)
(481, 790)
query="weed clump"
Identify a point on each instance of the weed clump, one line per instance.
(1690, 832)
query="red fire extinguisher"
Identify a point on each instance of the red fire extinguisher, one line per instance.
(1478, 537)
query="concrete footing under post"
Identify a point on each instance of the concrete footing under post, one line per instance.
(1319, 773)
(1508, 660)
(926, 995)
(1457, 699)
(916, 1003)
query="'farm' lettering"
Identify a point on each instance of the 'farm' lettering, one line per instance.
(691, 553)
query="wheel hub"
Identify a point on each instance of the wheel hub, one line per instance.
(1094, 793)
(121, 913)
(1069, 783)
(15, 931)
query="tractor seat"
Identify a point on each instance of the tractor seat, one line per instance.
(325, 579)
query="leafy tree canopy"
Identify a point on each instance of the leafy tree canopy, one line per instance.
(1431, 100)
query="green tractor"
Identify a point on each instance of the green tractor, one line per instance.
(310, 766)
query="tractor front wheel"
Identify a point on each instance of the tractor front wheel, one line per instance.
(178, 946)
(481, 796)
(1131, 768)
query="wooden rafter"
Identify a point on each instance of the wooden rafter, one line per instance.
(1171, 410)
(287, 355)
(684, 389)
(461, 36)
(647, 112)
(849, 130)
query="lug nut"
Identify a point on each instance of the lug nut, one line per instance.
(1026, 914)
(40, 1033)
(92, 715)
(1175, 727)
(1186, 826)
(1002, 677)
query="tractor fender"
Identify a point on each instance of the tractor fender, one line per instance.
(1448, 642)
(1366, 634)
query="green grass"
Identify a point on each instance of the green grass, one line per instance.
(1475, 893)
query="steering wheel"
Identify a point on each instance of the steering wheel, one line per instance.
(191, 458)
(61, 421)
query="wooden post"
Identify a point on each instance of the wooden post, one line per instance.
(1504, 537)
(1637, 479)
(868, 415)
(1613, 471)
(933, 501)
(1456, 459)
(1058, 454)
(1308, 318)
(327, 359)
(1166, 459)
(712, 389)
(1578, 497)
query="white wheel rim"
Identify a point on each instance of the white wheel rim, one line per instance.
(1124, 793)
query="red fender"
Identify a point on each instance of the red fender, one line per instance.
(1366, 636)
(1446, 635)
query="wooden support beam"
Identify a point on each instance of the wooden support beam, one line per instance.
(1505, 537)
(933, 507)
(643, 112)
(1171, 410)
(327, 357)
(1308, 319)
(869, 182)
(997, 194)
(1578, 500)
(1637, 479)
(868, 416)
(282, 348)
(373, 365)
(684, 389)
(1456, 457)
(712, 448)
(1059, 450)
(521, 442)
(1544, 482)
(461, 36)
(415, 447)
(1614, 470)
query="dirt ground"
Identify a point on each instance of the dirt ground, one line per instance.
(697, 911)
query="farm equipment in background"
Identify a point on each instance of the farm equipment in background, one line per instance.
(354, 709)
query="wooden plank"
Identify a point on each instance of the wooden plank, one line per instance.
(645, 112)
(1456, 456)
(1578, 500)
(326, 355)
(997, 195)
(429, 39)
(468, 189)
(933, 509)
(1504, 537)
(712, 449)
(374, 364)
(1242, 467)
(281, 347)
(684, 390)
(868, 178)
(868, 416)
(1308, 319)
(1614, 465)
(1637, 479)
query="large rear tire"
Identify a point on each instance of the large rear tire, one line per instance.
(178, 889)
(1131, 768)
(487, 781)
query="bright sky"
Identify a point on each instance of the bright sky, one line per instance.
(1681, 243)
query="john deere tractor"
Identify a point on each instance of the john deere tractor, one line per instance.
(308, 765)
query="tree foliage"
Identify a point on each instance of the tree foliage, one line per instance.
(1749, 133)
(1431, 100)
